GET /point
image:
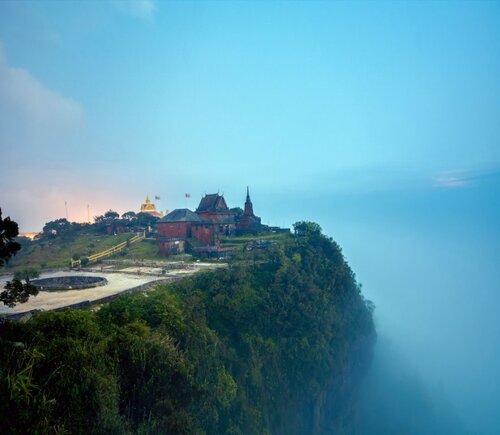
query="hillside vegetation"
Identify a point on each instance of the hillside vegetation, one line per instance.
(57, 252)
(273, 344)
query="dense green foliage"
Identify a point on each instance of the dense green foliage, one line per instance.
(15, 291)
(273, 344)
(8, 246)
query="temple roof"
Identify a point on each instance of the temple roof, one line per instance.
(212, 203)
(148, 205)
(181, 215)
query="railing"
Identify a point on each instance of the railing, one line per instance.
(111, 251)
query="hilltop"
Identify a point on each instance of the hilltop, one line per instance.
(275, 343)
(213, 230)
(61, 241)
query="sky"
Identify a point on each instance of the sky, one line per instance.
(104, 102)
(379, 120)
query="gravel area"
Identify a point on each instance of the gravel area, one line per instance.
(117, 283)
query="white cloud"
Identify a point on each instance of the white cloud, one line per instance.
(462, 178)
(143, 9)
(452, 179)
(24, 98)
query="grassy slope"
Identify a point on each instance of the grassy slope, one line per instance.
(57, 252)
(144, 250)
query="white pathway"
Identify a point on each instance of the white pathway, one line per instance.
(117, 283)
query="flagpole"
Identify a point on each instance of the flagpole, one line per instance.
(157, 198)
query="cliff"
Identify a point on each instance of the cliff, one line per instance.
(276, 344)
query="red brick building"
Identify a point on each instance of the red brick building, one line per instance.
(174, 229)
(204, 233)
(213, 209)
(200, 230)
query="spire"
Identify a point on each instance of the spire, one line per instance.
(148, 206)
(248, 204)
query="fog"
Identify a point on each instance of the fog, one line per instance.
(428, 258)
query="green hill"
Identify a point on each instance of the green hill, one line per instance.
(274, 344)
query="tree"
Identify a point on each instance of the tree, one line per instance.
(15, 291)
(238, 211)
(146, 220)
(111, 215)
(56, 228)
(8, 231)
(129, 216)
(106, 218)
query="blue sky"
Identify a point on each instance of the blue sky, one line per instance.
(103, 102)
(379, 120)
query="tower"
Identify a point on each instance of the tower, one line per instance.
(248, 223)
(248, 205)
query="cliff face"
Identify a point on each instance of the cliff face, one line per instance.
(274, 344)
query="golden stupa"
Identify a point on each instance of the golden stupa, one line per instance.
(149, 208)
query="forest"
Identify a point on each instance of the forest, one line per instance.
(277, 343)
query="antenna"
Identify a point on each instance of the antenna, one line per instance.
(66, 207)
(88, 213)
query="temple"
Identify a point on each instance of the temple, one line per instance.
(199, 231)
(149, 208)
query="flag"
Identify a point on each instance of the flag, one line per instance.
(157, 198)
(187, 195)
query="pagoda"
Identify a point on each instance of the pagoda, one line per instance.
(149, 208)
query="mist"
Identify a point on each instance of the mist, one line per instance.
(428, 258)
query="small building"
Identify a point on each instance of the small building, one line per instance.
(178, 223)
(175, 228)
(116, 228)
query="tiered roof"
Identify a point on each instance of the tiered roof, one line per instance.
(212, 203)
